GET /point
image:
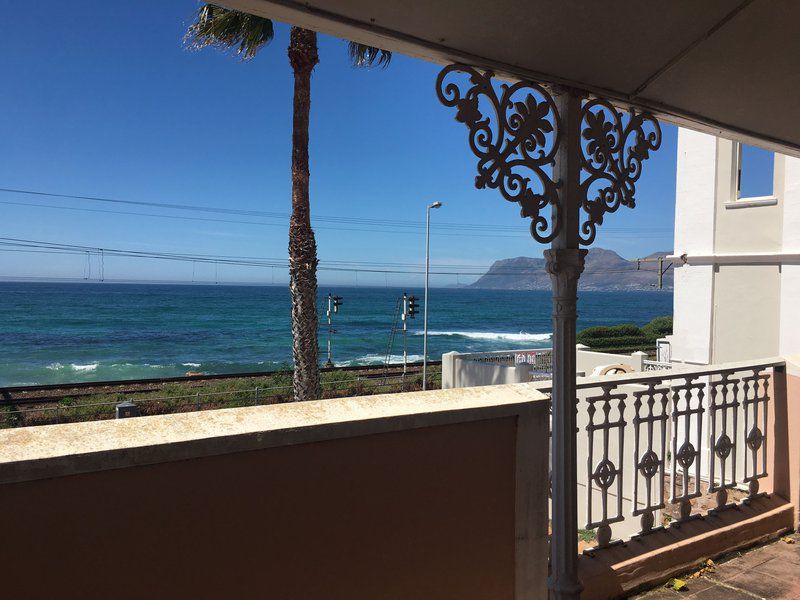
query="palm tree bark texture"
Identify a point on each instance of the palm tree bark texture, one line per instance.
(303, 58)
(246, 34)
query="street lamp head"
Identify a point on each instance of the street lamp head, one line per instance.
(435, 205)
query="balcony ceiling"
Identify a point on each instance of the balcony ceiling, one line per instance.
(726, 67)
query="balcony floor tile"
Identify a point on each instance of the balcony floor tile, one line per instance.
(770, 571)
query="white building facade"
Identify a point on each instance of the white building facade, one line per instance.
(736, 259)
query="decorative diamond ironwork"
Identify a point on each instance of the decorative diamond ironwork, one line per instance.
(754, 439)
(605, 474)
(515, 135)
(649, 464)
(723, 446)
(756, 419)
(686, 455)
(650, 443)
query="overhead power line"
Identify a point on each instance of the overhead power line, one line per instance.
(38, 246)
(384, 225)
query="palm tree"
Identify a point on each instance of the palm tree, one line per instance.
(246, 34)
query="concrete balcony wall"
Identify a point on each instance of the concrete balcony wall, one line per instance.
(425, 495)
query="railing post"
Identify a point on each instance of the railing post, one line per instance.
(565, 263)
(784, 450)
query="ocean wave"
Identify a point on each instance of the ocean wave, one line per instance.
(489, 335)
(57, 366)
(378, 359)
(189, 364)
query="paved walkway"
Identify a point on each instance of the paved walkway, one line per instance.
(770, 571)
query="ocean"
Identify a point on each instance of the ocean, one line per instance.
(71, 332)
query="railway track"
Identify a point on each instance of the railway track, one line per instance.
(50, 393)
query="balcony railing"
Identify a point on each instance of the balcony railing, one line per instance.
(540, 359)
(651, 445)
(471, 369)
(655, 365)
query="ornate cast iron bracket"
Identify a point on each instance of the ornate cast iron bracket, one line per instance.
(614, 149)
(515, 135)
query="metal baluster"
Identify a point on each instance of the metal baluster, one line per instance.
(650, 463)
(756, 394)
(723, 448)
(687, 454)
(605, 473)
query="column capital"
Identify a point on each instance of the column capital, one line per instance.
(565, 263)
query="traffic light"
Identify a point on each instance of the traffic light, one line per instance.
(337, 302)
(413, 306)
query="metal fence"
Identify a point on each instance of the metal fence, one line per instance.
(655, 365)
(653, 444)
(540, 359)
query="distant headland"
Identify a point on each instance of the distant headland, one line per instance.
(605, 271)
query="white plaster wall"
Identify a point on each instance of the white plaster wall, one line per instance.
(694, 234)
(586, 361)
(790, 273)
(746, 322)
(472, 373)
(791, 206)
(695, 192)
(693, 299)
(733, 312)
(790, 310)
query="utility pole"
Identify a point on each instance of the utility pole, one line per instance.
(425, 316)
(661, 268)
(410, 310)
(334, 302)
(405, 329)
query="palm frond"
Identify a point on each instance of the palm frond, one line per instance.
(368, 56)
(227, 29)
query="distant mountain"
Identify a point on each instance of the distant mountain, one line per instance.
(605, 270)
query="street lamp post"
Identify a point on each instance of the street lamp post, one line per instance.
(425, 314)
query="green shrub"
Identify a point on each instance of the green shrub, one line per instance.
(607, 331)
(657, 328)
(626, 337)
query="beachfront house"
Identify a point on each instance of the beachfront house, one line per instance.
(447, 494)
(737, 279)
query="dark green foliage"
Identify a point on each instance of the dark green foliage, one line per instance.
(229, 29)
(610, 331)
(587, 535)
(245, 34)
(658, 327)
(626, 337)
(368, 56)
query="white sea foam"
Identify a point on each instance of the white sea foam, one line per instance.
(54, 366)
(489, 335)
(84, 368)
(378, 359)
(187, 364)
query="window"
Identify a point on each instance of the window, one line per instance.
(755, 169)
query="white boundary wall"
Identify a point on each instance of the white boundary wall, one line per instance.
(462, 370)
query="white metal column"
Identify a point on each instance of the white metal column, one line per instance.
(565, 263)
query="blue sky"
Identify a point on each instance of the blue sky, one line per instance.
(101, 99)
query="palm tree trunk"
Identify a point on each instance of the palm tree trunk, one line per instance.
(302, 245)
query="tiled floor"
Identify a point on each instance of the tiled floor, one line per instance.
(771, 571)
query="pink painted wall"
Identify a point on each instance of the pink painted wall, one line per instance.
(424, 513)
